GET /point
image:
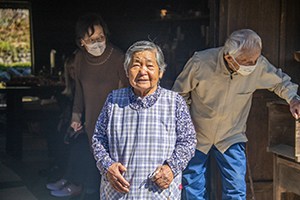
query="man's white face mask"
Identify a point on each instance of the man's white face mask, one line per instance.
(244, 70)
(96, 49)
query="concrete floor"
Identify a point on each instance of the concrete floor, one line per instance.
(26, 179)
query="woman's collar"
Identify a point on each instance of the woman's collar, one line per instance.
(137, 102)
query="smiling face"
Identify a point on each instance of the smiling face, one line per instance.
(144, 73)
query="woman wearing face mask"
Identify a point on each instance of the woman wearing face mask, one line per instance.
(98, 71)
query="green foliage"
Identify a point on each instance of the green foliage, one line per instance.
(3, 67)
(5, 46)
(15, 49)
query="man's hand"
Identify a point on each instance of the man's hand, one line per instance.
(116, 179)
(163, 176)
(295, 107)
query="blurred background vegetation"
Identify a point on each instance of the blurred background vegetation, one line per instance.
(15, 49)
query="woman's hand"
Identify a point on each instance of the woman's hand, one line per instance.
(76, 126)
(163, 176)
(116, 179)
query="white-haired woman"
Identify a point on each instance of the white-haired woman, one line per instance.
(144, 136)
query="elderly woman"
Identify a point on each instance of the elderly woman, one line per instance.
(144, 136)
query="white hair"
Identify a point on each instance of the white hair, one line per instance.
(142, 46)
(241, 40)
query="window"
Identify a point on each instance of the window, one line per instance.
(16, 41)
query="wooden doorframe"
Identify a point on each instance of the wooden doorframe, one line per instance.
(214, 16)
(282, 39)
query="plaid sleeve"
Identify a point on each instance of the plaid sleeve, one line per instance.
(186, 138)
(100, 140)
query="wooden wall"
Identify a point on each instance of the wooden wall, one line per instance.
(278, 24)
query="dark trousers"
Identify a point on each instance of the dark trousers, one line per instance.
(82, 165)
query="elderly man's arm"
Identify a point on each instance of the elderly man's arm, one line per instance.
(186, 81)
(100, 140)
(280, 83)
(186, 138)
(288, 91)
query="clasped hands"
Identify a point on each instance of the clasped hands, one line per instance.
(163, 176)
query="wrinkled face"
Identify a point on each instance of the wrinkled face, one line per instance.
(247, 59)
(144, 73)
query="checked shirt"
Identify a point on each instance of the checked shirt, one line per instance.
(142, 134)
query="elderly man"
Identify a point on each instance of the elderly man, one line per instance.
(218, 85)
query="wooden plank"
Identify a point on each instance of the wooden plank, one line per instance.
(262, 190)
(286, 178)
(281, 124)
(283, 150)
(276, 187)
(282, 38)
(259, 159)
(297, 141)
(290, 178)
(261, 186)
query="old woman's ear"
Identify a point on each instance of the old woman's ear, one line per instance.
(161, 73)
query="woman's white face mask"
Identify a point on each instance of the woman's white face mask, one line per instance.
(244, 70)
(96, 49)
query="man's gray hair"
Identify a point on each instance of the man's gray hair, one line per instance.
(241, 40)
(142, 46)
